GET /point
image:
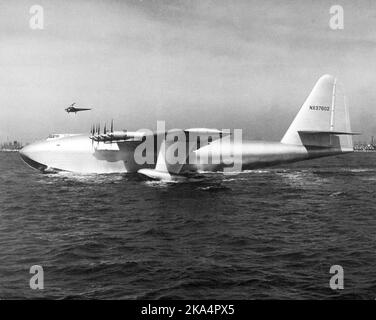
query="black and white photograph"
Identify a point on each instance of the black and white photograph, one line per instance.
(195, 150)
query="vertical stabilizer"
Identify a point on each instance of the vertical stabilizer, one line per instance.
(323, 115)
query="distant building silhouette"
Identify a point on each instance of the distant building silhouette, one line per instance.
(364, 146)
(11, 146)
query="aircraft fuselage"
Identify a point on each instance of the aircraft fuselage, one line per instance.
(80, 154)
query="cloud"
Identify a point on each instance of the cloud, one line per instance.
(193, 63)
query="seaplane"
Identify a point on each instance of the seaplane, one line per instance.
(321, 128)
(74, 109)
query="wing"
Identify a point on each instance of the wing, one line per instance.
(81, 109)
(166, 168)
(118, 136)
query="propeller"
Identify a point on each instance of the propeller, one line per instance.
(92, 132)
(112, 130)
(98, 132)
(107, 135)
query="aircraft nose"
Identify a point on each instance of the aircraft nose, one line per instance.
(29, 156)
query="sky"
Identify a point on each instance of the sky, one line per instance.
(219, 64)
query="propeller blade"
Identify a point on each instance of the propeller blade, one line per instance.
(112, 125)
(92, 134)
(104, 130)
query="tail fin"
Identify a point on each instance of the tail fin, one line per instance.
(323, 120)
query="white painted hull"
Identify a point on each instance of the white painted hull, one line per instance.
(79, 154)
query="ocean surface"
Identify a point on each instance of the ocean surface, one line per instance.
(263, 234)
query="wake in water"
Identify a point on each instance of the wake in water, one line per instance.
(298, 177)
(89, 178)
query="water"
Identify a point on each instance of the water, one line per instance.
(261, 234)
